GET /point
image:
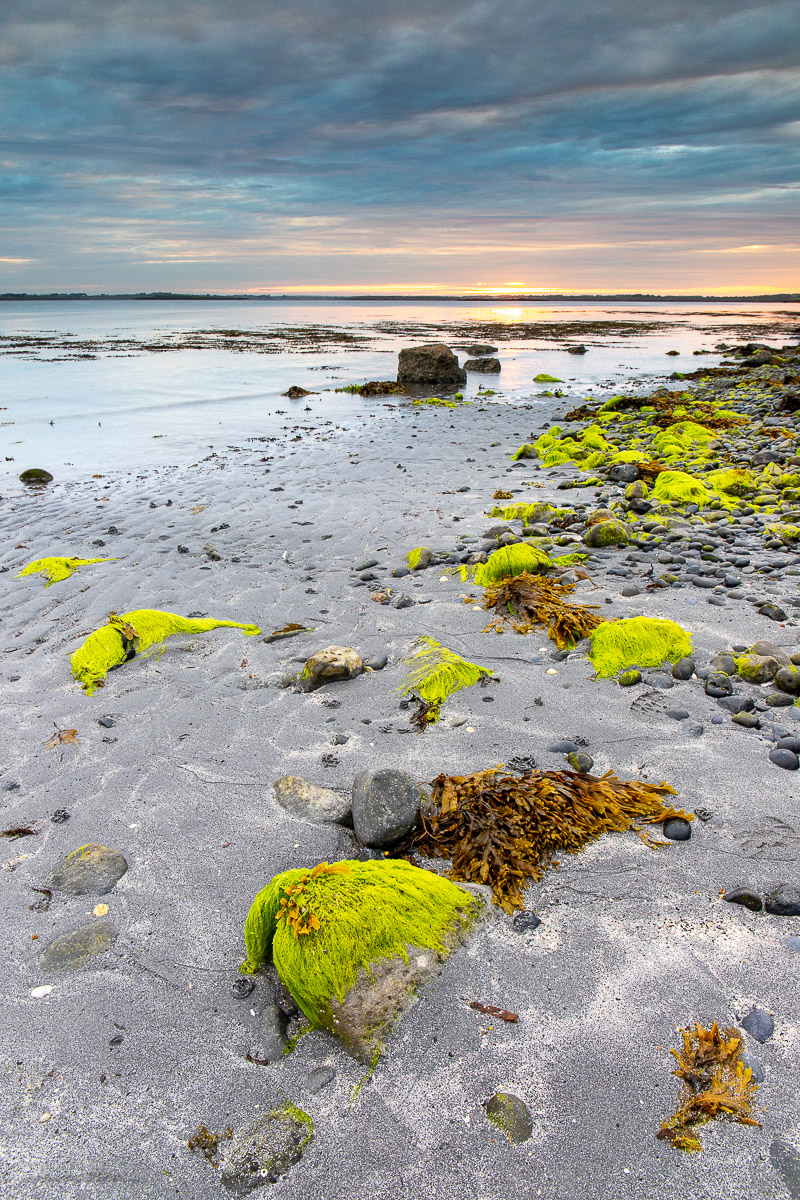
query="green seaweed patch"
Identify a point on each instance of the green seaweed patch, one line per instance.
(637, 642)
(509, 561)
(542, 377)
(526, 450)
(56, 569)
(435, 402)
(436, 673)
(788, 534)
(130, 634)
(678, 487)
(529, 514)
(733, 481)
(356, 914)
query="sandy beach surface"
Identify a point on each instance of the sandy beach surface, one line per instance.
(106, 1077)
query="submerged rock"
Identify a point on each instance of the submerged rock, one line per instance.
(310, 802)
(489, 366)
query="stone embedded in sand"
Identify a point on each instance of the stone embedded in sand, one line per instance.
(36, 475)
(310, 802)
(75, 949)
(489, 366)
(783, 901)
(328, 665)
(385, 806)
(510, 1114)
(429, 365)
(89, 870)
(746, 897)
(265, 1148)
(759, 1024)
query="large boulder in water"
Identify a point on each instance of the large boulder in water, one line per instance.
(433, 365)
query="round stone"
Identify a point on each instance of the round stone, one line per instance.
(789, 743)
(36, 475)
(510, 1114)
(562, 747)
(784, 758)
(629, 678)
(779, 700)
(747, 720)
(677, 714)
(89, 870)
(773, 612)
(759, 1024)
(683, 669)
(677, 829)
(718, 684)
(579, 761)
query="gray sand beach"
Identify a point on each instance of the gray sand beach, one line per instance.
(107, 1076)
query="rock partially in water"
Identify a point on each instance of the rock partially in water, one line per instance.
(431, 365)
(511, 1115)
(489, 366)
(385, 805)
(91, 870)
(265, 1148)
(306, 800)
(75, 949)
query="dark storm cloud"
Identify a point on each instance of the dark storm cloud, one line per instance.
(212, 112)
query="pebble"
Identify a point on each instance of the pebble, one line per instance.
(783, 901)
(510, 1114)
(677, 829)
(677, 714)
(318, 1079)
(758, 1075)
(773, 612)
(321, 806)
(785, 758)
(746, 897)
(683, 669)
(789, 743)
(630, 678)
(579, 761)
(659, 680)
(377, 662)
(264, 1148)
(718, 684)
(562, 747)
(76, 948)
(89, 870)
(735, 704)
(747, 720)
(759, 1024)
(525, 922)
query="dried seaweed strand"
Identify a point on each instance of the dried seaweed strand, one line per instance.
(530, 600)
(505, 830)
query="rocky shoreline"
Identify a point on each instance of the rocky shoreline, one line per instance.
(130, 1030)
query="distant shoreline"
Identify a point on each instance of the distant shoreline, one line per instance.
(588, 298)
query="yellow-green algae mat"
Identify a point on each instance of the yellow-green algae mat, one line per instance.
(56, 569)
(325, 926)
(637, 642)
(130, 634)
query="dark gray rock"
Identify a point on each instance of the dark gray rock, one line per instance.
(783, 901)
(736, 704)
(746, 897)
(265, 1148)
(677, 714)
(36, 475)
(758, 1074)
(789, 743)
(402, 601)
(677, 829)
(511, 1115)
(718, 684)
(377, 662)
(489, 366)
(786, 1161)
(759, 1024)
(785, 758)
(562, 747)
(630, 589)
(76, 948)
(89, 870)
(747, 720)
(623, 473)
(432, 365)
(385, 806)
(306, 800)
(773, 612)
(525, 922)
(477, 348)
(659, 680)
(780, 700)
(273, 1034)
(767, 649)
(683, 669)
(318, 1079)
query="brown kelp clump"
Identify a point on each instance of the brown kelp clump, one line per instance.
(530, 600)
(715, 1083)
(504, 830)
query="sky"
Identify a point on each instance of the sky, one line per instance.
(417, 146)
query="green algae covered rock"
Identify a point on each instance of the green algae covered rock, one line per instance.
(131, 633)
(352, 941)
(637, 642)
(511, 1115)
(509, 561)
(606, 533)
(678, 487)
(757, 668)
(265, 1148)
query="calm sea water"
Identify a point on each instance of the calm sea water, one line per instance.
(112, 413)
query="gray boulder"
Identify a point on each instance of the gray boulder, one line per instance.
(385, 804)
(489, 366)
(309, 802)
(432, 365)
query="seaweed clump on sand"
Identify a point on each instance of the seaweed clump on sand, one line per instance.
(530, 600)
(505, 830)
(57, 569)
(435, 674)
(715, 1083)
(637, 642)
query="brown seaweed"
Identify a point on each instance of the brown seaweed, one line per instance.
(715, 1083)
(505, 830)
(530, 600)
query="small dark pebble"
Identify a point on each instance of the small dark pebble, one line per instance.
(524, 922)
(378, 662)
(785, 758)
(677, 714)
(241, 988)
(60, 816)
(562, 747)
(183, 549)
(116, 1040)
(757, 1073)
(106, 722)
(789, 743)
(746, 897)
(759, 1024)
(488, 699)
(683, 669)
(677, 829)
(399, 572)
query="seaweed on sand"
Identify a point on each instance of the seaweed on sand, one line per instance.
(435, 674)
(715, 1083)
(530, 600)
(505, 830)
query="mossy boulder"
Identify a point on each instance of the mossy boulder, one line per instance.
(328, 666)
(637, 642)
(353, 941)
(511, 1115)
(35, 475)
(757, 668)
(606, 533)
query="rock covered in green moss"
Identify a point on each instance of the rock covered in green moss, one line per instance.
(353, 941)
(678, 487)
(35, 475)
(265, 1148)
(630, 678)
(510, 561)
(606, 533)
(511, 1115)
(787, 679)
(757, 668)
(75, 949)
(329, 665)
(637, 642)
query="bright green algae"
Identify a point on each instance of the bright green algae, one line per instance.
(56, 569)
(637, 642)
(509, 561)
(109, 645)
(678, 487)
(366, 912)
(437, 673)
